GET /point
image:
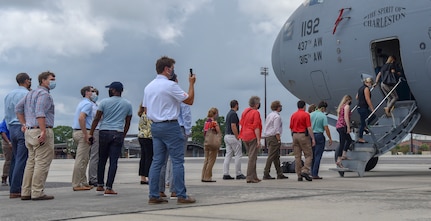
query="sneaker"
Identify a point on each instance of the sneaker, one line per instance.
(100, 190)
(228, 177)
(240, 177)
(157, 201)
(187, 200)
(110, 192)
(162, 194)
(173, 196)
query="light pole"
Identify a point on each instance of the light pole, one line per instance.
(264, 72)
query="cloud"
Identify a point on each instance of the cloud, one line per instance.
(67, 31)
(266, 17)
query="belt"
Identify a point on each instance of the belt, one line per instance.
(318, 133)
(168, 121)
(37, 127)
(80, 129)
(298, 132)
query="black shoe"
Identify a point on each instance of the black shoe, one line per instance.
(208, 181)
(300, 179)
(306, 176)
(228, 177)
(241, 177)
(282, 177)
(268, 177)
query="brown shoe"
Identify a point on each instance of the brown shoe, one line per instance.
(25, 197)
(14, 195)
(110, 192)
(44, 197)
(100, 189)
(162, 194)
(173, 196)
(187, 200)
(157, 201)
(81, 188)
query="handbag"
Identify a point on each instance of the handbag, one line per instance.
(212, 139)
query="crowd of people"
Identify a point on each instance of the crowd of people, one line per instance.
(99, 130)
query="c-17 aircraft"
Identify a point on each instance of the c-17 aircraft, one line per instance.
(327, 47)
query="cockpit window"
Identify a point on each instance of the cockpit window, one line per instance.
(312, 2)
(288, 30)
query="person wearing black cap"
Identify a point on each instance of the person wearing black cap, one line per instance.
(114, 125)
(162, 98)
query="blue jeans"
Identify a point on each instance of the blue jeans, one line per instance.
(167, 138)
(364, 113)
(110, 144)
(19, 158)
(317, 153)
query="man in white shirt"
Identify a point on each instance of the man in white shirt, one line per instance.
(272, 133)
(162, 97)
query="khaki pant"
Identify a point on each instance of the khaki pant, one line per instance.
(210, 158)
(252, 150)
(7, 152)
(273, 156)
(79, 177)
(302, 144)
(38, 162)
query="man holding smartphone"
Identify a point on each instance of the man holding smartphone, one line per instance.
(162, 97)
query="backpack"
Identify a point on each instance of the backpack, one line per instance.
(289, 167)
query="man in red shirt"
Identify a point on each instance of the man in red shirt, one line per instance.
(300, 124)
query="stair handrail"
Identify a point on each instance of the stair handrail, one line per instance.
(381, 102)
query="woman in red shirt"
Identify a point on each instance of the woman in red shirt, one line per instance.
(251, 128)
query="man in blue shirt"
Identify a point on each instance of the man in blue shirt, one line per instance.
(319, 123)
(19, 150)
(7, 152)
(117, 113)
(81, 126)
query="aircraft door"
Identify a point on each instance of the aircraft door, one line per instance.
(319, 85)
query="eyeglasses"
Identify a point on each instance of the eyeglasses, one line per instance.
(29, 79)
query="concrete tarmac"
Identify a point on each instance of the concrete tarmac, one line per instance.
(399, 188)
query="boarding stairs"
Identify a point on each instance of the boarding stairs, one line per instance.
(384, 134)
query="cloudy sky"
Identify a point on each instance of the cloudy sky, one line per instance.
(96, 42)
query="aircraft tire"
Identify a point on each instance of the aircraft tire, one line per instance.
(371, 163)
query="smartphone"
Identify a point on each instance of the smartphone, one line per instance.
(191, 72)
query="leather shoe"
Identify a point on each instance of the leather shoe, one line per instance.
(14, 195)
(44, 197)
(157, 201)
(81, 188)
(241, 177)
(25, 197)
(187, 200)
(306, 176)
(268, 177)
(208, 181)
(228, 177)
(282, 177)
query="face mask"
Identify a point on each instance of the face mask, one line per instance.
(94, 97)
(281, 109)
(110, 93)
(350, 103)
(258, 107)
(52, 84)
